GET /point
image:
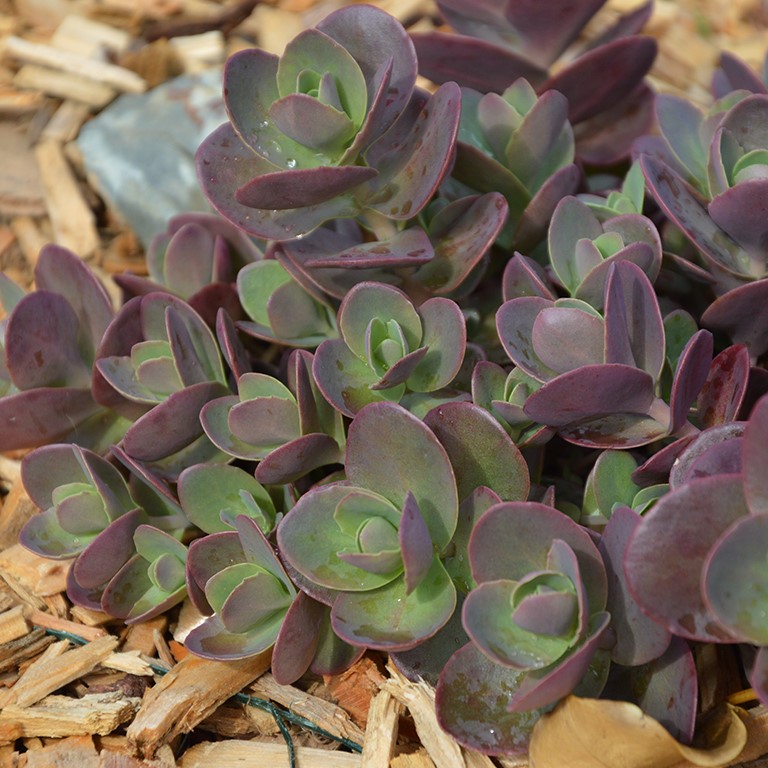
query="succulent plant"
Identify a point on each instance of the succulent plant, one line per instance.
(289, 431)
(524, 39)
(197, 259)
(331, 129)
(601, 372)
(388, 347)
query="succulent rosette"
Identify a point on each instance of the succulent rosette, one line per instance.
(602, 80)
(290, 431)
(522, 146)
(158, 364)
(197, 259)
(330, 129)
(235, 579)
(536, 621)
(601, 372)
(50, 341)
(281, 309)
(376, 539)
(80, 495)
(388, 347)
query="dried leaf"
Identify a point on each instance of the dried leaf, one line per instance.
(588, 733)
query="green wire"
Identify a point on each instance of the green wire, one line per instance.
(278, 713)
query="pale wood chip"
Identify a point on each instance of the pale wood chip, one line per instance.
(322, 713)
(17, 510)
(57, 716)
(130, 662)
(48, 675)
(381, 731)
(15, 652)
(187, 694)
(63, 85)
(13, 625)
(275, 755)
(45, 620)
(33, 574)
(30, 236)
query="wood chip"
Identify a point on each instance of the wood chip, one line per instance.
(72, 219)
(46, 621)
(130, 662)
(47, 676)
(13, 625)
(353, 689)
(239, 721)
(274, 755)
(94, 713)
(30, 236)
(381, 731)
(140, 637)
(17, 509)
(89, 617)
(322, 713)
(14, 653)
(102, 72)
(32, 577)
(63, 85)
(93, 39)
(21, 189)
(190, 691)
(15, 103)
(419, 699)
(419, 759)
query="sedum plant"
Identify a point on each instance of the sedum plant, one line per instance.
(487, 375)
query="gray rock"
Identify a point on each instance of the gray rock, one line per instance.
(140, 150)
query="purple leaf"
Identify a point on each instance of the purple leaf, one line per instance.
(172, 424)
(411, 247)
(666, 554)
(567, 338)
(589, 392)
(312, 123)
(415, 544)
(755, 457)
(301, 187)
(706, 450)
(690, 375)
(514, 323)
(680, 122)
(638, 638)
(733, 74)
(297, 639)
(741, 211)
(297, 458)
(481, 452)
(742, 313)
(596, 80)
(525, 277)
(723, 391)
(470, 703)
(464, 60)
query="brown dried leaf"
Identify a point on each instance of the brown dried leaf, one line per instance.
(589, 733)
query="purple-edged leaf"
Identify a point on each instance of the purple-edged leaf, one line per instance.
(634, 329)
(188, 261)
(61, 271)
(42, 344)
(208, 556)
(301, 187)
(212, 640)
(470, 703)
(481, 452)
(289, 462)
(411, 247)
(547, 30)
(333, 656)
(572, 221)
(265, 422)
(403, 370)
(464, 60)
(741, 212)
(444, 335)
(514, 323)
(755, 457)
(232, 348)
(411, 172)
(723, 391)
(734, 579)
(513, 539)
(711, 451)
(255, 600)
(297, 639)
(692, 369)
(680, 122)
(43, 415)
(627, 24)
(525, 277)
(225, 164)
(488, 620)
(172, 424)
(310, 540)
(639, 639)
(415, 544)
(666, 554)
(390, 618)
(386, 447)
(542, 687)
(109, 551)
(656, 469)
(590, 392)
(742, 313)
(618, 430)
(733, 74)
(596, 80)
(89, 598)
(566, 338)
(683, 205)
(214, 418)
(463, 231)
